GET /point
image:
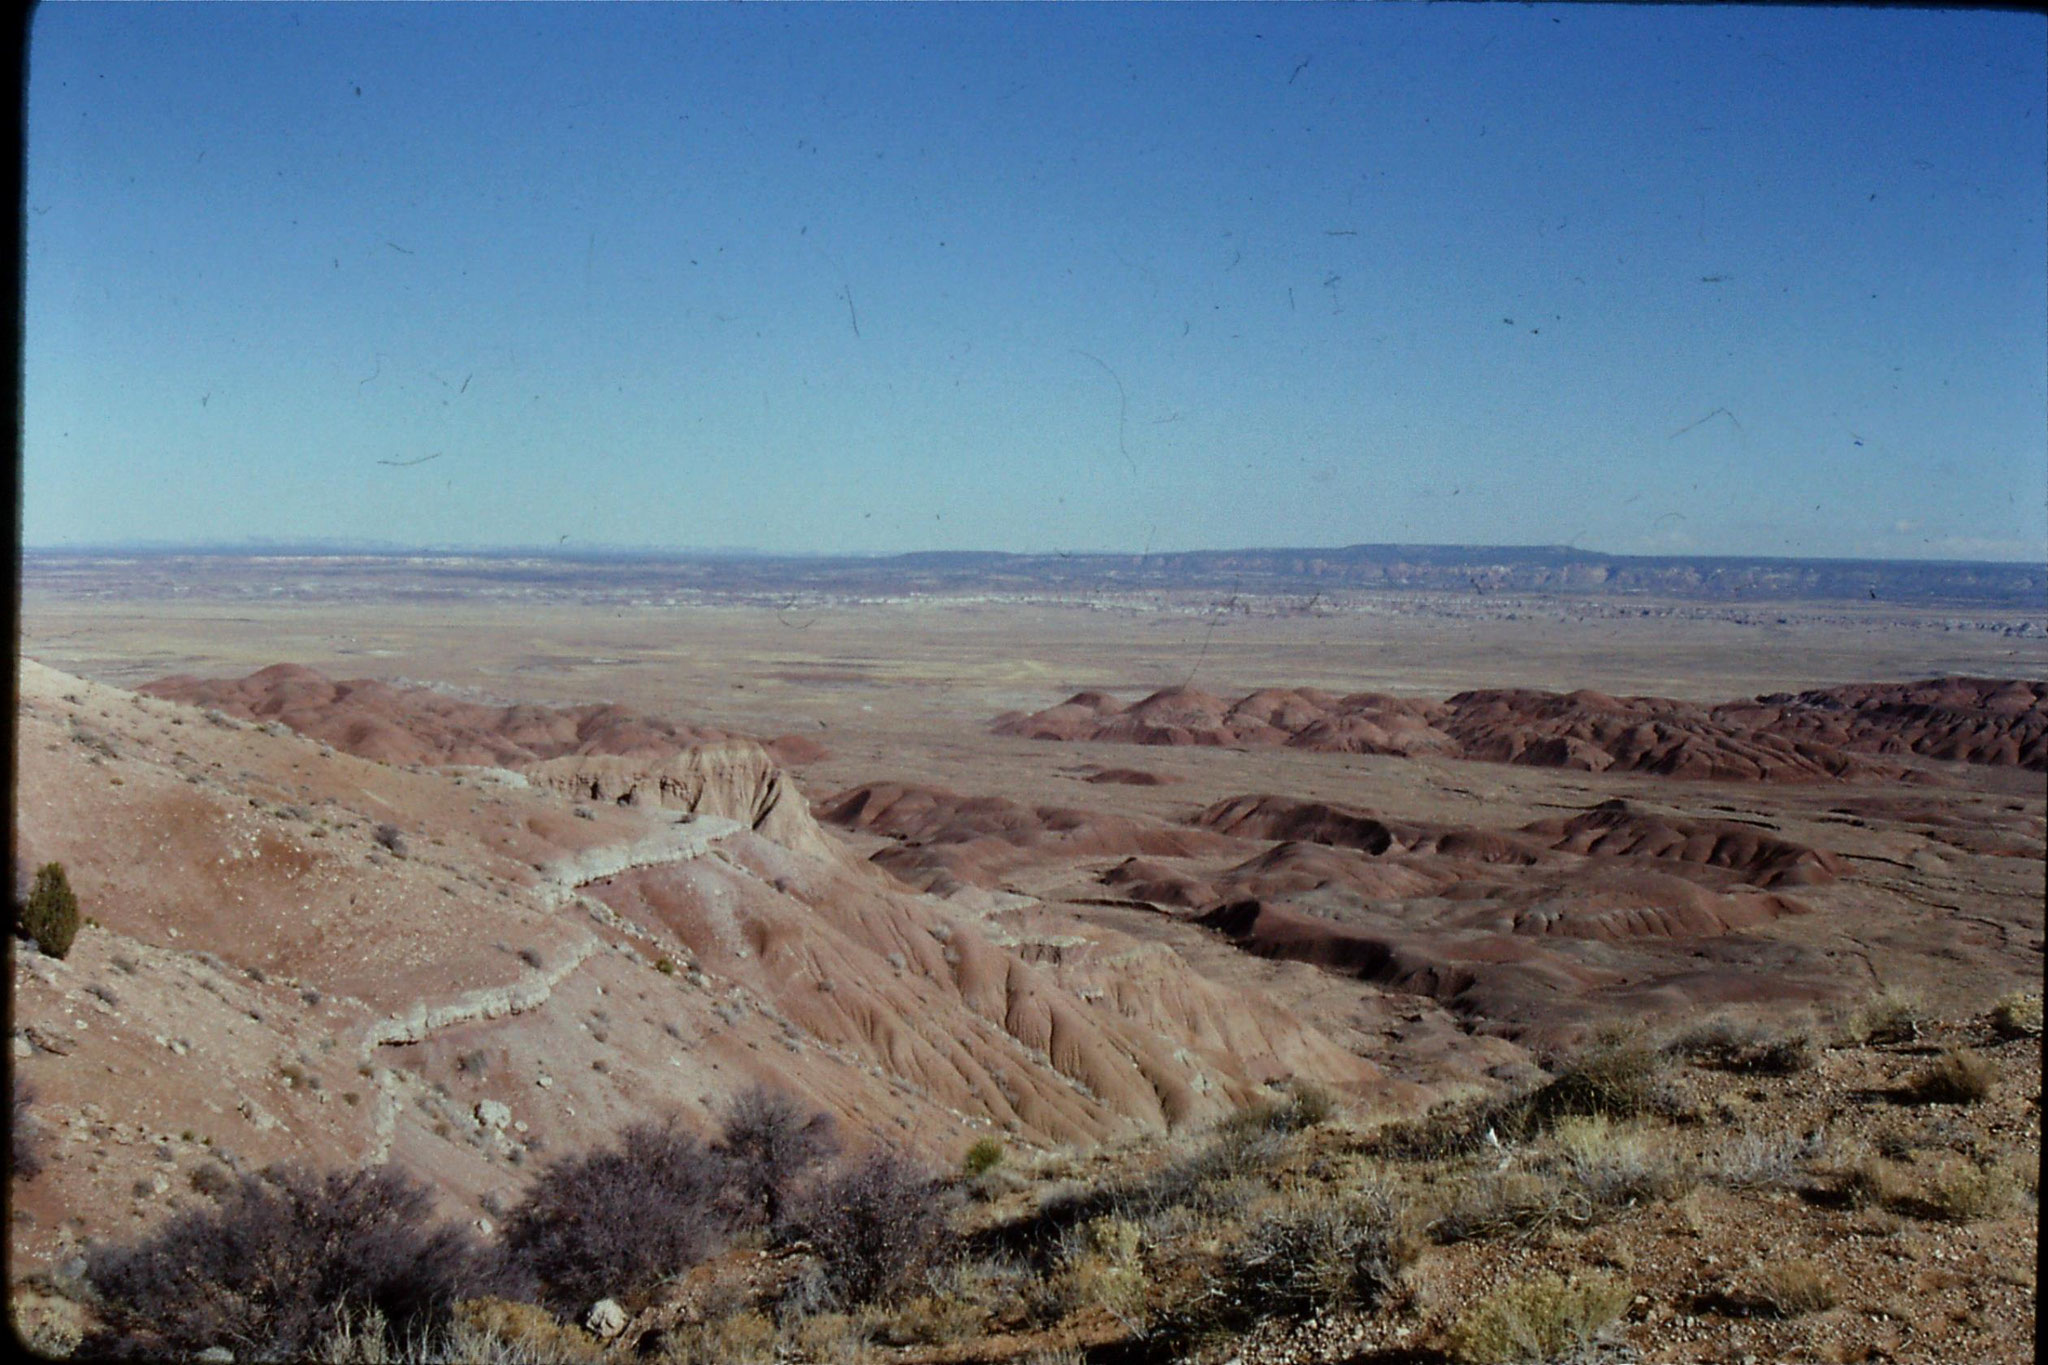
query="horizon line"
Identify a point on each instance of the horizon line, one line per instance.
(313, 548)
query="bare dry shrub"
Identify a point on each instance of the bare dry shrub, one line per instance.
(1958, 1076)
(503, 1332)
(1870, 1183)
(1789, 1288)
(770, 1144)
(1624, 1079)
(281, 1262)
(1746, 1046)
(1509, 1203)
(1764, 1161)
(743, 1338)
(1961, 1191)
(25, 1136)
(2018, 1015)
(1617, 1165)
(1542, 1318)
(616, 1221)
(1101, 1266)
(1318, 1253)
(873, 1225)
(1894, 1016)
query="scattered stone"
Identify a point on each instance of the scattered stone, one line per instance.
(607, 1319)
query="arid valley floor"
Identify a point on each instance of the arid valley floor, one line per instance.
(1425, 853)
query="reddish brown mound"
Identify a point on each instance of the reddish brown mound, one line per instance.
(375, 720)
(1803, 737)
(1593, 733)
(1281, 817)
(1611, 829)
(1365, 722)
(1131, 777)
(946, 838)
(1997, 721)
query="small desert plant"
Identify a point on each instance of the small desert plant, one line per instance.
(1870, 1183)
(932, 1319)
(873, 1225)
(743, 1338)
(1617, 1166)
(281, 1262)
(1617, 1079)
(49, 914)
(1961, 1191)
(1319, 1253)
(1790, 1288)
(1746, 1047)
(1756, 1161)
(1537, 1319)
(1958, 1076)
(25, 1135)
(985, 1155)
(1895, 1016)
(505, 1332)
(614, 1221)
(391, 837)
(2018, 1015)
(665, 966)
(530, 956)
(1101, 1267)
(1306, 1105)
(1509, 1203)
(770, 1144)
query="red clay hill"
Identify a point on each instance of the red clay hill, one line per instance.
(388, 724)
(1856, 731)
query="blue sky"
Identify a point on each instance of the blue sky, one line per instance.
(881, 278)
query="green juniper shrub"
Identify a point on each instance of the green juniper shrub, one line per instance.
(50, 913)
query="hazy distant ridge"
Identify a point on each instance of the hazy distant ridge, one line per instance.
(1307, 571)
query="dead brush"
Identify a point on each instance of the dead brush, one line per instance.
(1783, 1289)
(1543, 1318)
(1587, 1171)
(1893, 1017)
(1745, 1046)
(1958, 1076)
(2018, 1015)
(747, 1337)
(1765, 1161)
(1961, 1191)
(1617, 1166)
(1511, 1205)
(1101, 1266)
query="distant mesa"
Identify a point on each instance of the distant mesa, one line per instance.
(1856, 731)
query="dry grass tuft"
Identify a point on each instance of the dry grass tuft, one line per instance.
(1895, 1016)
(1791, 1288)
(2018, 1015)
(1958, 1076)
(1538, 1319)
(1745, 1046)
(1961, 1191)
(744, 1338)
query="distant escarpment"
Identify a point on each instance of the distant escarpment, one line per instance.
(1849, 732)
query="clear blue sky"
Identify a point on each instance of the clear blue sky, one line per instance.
(879, 278)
